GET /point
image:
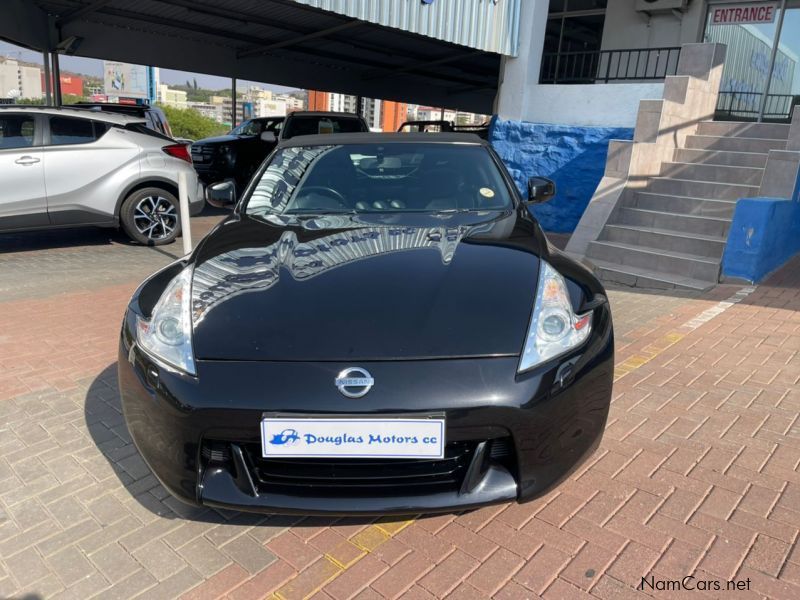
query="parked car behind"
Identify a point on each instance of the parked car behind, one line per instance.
(238, 154)
(63, 167)
(440, 126)
(153, 116)
(235, 155)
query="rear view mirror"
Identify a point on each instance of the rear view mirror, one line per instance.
(540, 189)
(269, 136)
(221, 194)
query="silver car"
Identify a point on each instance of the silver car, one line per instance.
(63, 167)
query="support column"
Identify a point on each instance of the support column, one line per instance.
(48, 82)
(519, 74)
(56, 79)
(233, 102)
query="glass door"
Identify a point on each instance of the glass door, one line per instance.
(784, 87)
(749, 38)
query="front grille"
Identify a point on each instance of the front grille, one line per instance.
(358, 476)
(367, 475)
(202, 154)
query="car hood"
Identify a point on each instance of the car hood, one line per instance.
(368, 287)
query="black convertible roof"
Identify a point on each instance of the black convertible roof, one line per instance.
(381, 138)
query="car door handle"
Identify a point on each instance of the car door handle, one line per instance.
(27, 160)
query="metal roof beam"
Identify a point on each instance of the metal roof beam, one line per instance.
(81, 12)
(249, 17)
(297, 40)
(418, 65)
(255, 41)
(262, 46)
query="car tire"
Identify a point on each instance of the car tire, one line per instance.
(151, 216)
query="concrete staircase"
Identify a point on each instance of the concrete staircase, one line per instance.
(669, 230)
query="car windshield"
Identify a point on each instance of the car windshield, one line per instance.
(255, 127)
(380, 177)
(313, 124)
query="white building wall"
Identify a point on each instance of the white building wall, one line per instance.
(520, 96)
(591, 105)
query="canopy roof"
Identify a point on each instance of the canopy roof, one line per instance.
(275, 41)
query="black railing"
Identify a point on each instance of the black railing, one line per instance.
(603, 66)
(744, 106)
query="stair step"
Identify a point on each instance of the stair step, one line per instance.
(712, 173)
(772, 131)
(674, 241)
(736, 144)
(667, 221)
(645, 278)
(721, 157)
(700, 189)
(655, 259)
(682, 205)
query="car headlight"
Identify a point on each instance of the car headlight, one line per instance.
(554, 329)
(167, 335)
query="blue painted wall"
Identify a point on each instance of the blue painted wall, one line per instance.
(574, 157)
(764, 234)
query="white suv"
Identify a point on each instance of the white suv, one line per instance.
(63, 167)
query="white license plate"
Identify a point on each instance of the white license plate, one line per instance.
(353, 438)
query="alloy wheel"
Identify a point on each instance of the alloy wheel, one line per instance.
(155, 217)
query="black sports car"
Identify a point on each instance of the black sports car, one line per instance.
(379, 326)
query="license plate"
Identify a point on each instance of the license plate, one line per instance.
(352, 438)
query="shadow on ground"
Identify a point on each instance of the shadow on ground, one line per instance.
(28, 241)
(75, 237)
(106, 425)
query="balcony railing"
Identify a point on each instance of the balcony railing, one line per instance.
(603, 66)
(744, 106)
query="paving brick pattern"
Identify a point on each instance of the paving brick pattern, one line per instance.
(697, 473)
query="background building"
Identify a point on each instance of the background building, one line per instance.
(19, 79)
(172, 97)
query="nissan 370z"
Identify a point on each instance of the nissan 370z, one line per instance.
(379, 326)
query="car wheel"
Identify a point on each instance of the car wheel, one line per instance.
(151, 216)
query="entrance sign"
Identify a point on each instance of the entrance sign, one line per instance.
(744, 14)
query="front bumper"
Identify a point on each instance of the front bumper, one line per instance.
(200, 435)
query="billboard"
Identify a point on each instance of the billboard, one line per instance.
(124, 79)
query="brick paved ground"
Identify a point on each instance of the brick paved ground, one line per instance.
(697, 473)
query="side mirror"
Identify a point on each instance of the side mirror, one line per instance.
(540, 189)
(221, 194)
(268, 136)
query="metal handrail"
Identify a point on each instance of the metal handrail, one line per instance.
(592, 66)
(744, 106)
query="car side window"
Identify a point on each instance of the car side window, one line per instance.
(66, 131)
(16, 131)
(158, 124)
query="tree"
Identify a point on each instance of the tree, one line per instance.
(189, 123)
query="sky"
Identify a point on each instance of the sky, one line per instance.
(93, 66)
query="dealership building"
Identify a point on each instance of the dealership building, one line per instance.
(654, 117)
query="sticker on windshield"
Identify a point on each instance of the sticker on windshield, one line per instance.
(487, 192)
(325, 126)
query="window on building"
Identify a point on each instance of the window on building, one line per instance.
(749, 73)
(572, 40)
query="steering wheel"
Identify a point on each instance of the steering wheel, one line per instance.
(325, 191)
